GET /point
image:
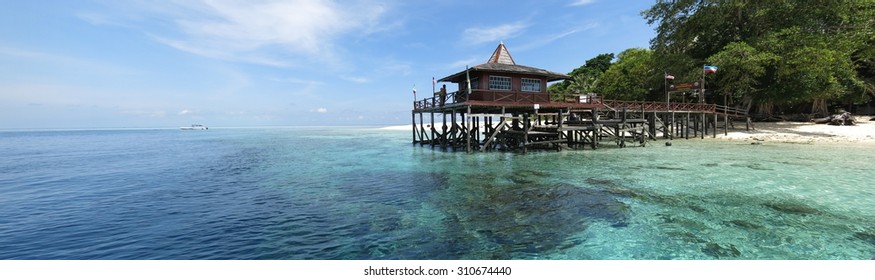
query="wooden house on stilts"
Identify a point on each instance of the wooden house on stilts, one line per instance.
(501, 105)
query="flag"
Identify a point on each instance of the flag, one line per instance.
(468, 77)
(414, 89)
(669, 77)
(433, 81)
(710, 69)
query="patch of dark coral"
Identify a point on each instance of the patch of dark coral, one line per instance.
(721, 252)
(530, 218)
(792, 208)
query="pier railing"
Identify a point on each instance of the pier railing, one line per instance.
(517, 97)
(656, 106)
(510, 97)
(732, 111)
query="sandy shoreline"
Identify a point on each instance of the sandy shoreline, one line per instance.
(785, 132)
(803, 132)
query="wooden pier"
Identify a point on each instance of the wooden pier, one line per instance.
(511, 110)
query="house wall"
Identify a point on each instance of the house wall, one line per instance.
(515, 82)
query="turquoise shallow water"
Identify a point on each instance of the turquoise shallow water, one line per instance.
(363, 193)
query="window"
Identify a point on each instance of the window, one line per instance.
(530, 85)
(499, 83)
(475, 83)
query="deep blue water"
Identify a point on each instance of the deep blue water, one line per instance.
(362, 193)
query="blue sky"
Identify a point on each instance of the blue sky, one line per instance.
(140, 63)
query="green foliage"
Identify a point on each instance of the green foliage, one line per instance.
(742, 68)
(584, 78)
(601, 62)
(782, 52)
(629, 78)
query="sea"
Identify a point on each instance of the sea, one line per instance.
(364, 193)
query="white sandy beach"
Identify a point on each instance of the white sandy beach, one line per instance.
(803, 132)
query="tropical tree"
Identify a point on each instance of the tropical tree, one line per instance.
(631, 77)
(780, 52)
(585, 78)
(743, 69)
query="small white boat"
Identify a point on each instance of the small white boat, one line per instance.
(194, 127)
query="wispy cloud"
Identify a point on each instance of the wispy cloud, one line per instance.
(460, 64)
(269, 32)
(321, 110)
(478, 35)
(359, 80)
(293, 80)
(60, 60)
(550, 38)
(582, 2)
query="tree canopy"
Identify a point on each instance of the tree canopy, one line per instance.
(629, 77)
(585, 78)
(778, 52)
(781, 54)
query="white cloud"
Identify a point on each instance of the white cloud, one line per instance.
(319, 110)
(459, 65)
(269, 32)
(550, 38)
(183, 112)
(582, 2)
(360, 80)
(478, 35)
(293, 80)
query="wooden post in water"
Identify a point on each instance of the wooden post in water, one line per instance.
(595, 128)
(468, 131)
(453, 130)
(525, 132)
(687, 126)
(413, 119)
(622, 126)
(432, 130)
(725, 121)
(704, 126)
(421, 129)
(444, 129)
(715, 125)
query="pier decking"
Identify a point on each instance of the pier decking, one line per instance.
(513, 111)
(484, 125)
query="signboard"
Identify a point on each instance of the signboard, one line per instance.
(684, 87)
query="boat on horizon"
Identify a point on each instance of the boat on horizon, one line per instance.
(194, 127)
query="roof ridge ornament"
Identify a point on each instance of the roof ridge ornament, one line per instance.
(501, 55)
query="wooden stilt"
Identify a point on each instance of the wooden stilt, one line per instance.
(413, 119)
(444, 129)
(715, 126)
(468, 131)
(432, 129)
(705, 123)
(687, 126)
(525, 132)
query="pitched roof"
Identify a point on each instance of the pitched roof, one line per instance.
(501, 55)
(502, 62)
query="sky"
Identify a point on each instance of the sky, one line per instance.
(226, 63)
